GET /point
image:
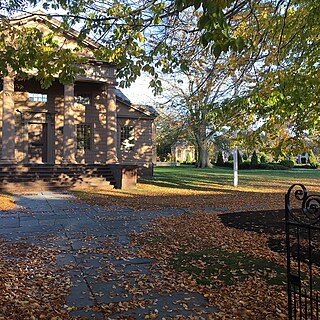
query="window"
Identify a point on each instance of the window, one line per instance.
(84, 99)
(37, 97)
(83, 136)
(127, 138)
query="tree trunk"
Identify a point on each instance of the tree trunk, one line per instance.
(202, 143)
(203, 155)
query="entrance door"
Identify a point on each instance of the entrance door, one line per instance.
(37, 138)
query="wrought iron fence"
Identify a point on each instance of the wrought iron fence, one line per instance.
(303, 252)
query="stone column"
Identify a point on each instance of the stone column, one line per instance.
(69, 132)
(111, 124)
(8, 121)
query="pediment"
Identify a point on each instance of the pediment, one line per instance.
(67, 38)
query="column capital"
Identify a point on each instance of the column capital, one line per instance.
(108, 87)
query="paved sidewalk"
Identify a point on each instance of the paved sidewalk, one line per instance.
(95, 242)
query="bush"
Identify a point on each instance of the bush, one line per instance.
(230, 157)
(239, 158)
(188, 158)
(220, 161)
(313, 160)
(287, 163)
(304, 166)
(292, 158)
(263, 158)
(254, 160)
(228, 164)
(272, 166)
(245, 165)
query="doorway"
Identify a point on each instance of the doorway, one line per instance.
(37, 142)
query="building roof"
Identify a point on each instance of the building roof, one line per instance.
(48, 19)
(122, 96)
(146, 109)
(40, 16)
(182, 144)
(45, 17)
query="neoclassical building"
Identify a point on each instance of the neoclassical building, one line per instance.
(87, 122)
(183, 151)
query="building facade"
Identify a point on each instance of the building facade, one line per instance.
(183, 151)
(86, 122)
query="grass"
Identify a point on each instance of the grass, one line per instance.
(187, 177)
(186, 186)
(209, 265)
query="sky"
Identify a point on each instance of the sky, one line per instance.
(139, 92)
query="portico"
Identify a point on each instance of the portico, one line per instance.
(86, 124)
(32, 126)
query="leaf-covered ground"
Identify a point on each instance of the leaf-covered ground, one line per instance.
(30, 286)
(234, 266)
(235, 269)
(222, 247)
(6, 202)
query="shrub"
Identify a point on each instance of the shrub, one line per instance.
(239, 158)
(169, 158)
(254, 160)
(272, 166)
(230, 157)
(245, 165)
(228, 164)
(292, 158)
(313, 160)
(220, 161)
(287, 163)
(188, 158)
(263, 158)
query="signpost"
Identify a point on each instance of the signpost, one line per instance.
(235, 166)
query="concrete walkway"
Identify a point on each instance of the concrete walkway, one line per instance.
(95, 242)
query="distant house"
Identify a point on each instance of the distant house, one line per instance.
(88, 122)
(303, 158)
(183, 151)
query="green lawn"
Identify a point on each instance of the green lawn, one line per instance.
(228, 267)
(193, 178)
(186, 186)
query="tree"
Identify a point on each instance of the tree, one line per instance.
(313, 160)
(198, 91)
(254, 160)
(25, 48)
(220, 161)
(132, 34)
(169, 130)
(287, 83)
(135, 33)
(279, 83)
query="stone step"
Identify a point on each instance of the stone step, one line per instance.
(56, 174)
(40, 185)
(44, 177)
